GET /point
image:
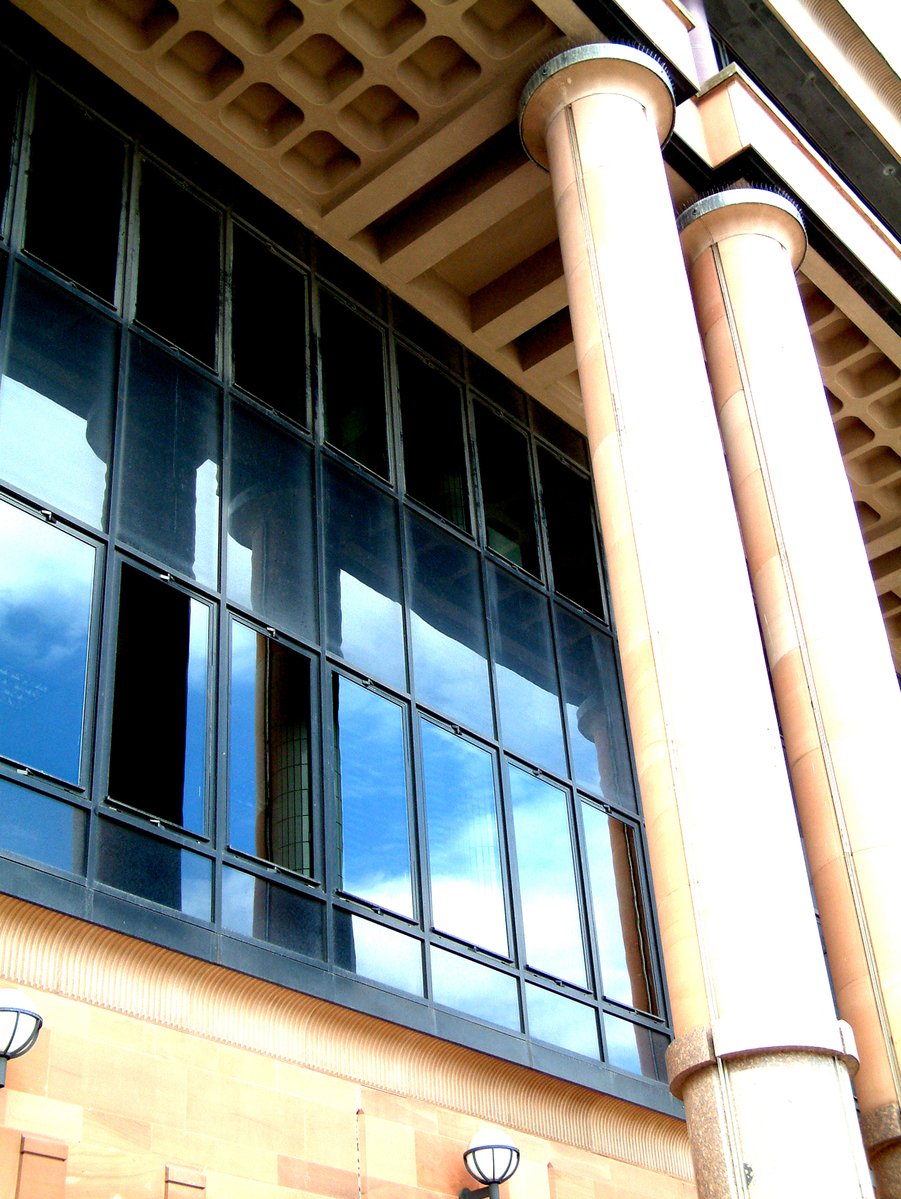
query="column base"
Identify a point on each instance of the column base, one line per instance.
(770, 1119)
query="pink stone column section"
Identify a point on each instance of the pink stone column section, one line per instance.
(834, 681)
(759, 1056)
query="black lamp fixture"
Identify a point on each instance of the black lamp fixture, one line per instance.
(491, 1159)
(19, 1028)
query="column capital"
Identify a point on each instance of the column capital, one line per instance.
(596, 68)
(742, 210)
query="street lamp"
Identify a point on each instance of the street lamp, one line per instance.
(19, 1028)
(491, 1158)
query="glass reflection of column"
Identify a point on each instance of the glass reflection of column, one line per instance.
(283, 753)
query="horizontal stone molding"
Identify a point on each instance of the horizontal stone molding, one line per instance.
(72, 958)
(728, 1039)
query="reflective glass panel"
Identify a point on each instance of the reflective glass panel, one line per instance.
(635, 1048)
(594, 711)
(562, 1021)
(475, 989)
(568, 511)
(271, 563)
(371, 780)
(154, 870)
(547, 883)
(527, 689)
(507, 498)
(434, 455)
(35, 826)
(447, 619)
(45, 612)
(56, 399)
(160, 701)
(614, 872)
(72, 226)
(464, 855)
(352, 355)
(178, 264)
(254, 907)
(10, 82)
(379, 953)
(269, 798)
(269, 326)
(170, 472)
(362, 578)
(559, 433)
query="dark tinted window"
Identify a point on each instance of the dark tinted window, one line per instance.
(178, 265)
(507, 499)
(352, 358)
(269, 322)
(75, 181)
(433, 440)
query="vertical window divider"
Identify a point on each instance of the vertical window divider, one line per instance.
(19, 164)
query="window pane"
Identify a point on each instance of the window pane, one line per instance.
(464, 854)
(616, 895)
(170, 474)
(353, 384)
(562, 1021)
(10, 84)
(527, 690)
(475, 989)
(569, 512)
(271, 560)
(434, 457)
(362, 578)
(56, 399)
(544, 857)
(594, 711)
(559, 433)
(154, 870)
(255, 908)
(45, 612)
(269, 799)
(35, 826)
(158, 751)
(178, 265)
(506, 490)
(447, 620)
(379, 953)
(269, 322)
(70, 225)
(635, 1048)
(371, 780)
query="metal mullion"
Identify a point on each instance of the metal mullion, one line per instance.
(19, 158)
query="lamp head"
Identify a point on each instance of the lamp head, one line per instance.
(19, 1028)
(491, 1157)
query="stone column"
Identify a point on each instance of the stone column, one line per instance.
(759, 1056)
(833, 678)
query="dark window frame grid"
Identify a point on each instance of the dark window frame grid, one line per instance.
(210, 845)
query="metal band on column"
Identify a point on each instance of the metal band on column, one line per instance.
(833, 679)
(769, 1107)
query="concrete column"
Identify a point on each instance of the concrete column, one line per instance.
(833, 678)
(759, 1057)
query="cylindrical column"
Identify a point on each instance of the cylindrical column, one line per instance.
(759, 1056)
(833, 678)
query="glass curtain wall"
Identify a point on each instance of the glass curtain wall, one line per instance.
(303, 637)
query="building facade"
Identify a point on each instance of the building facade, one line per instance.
(433, 600)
